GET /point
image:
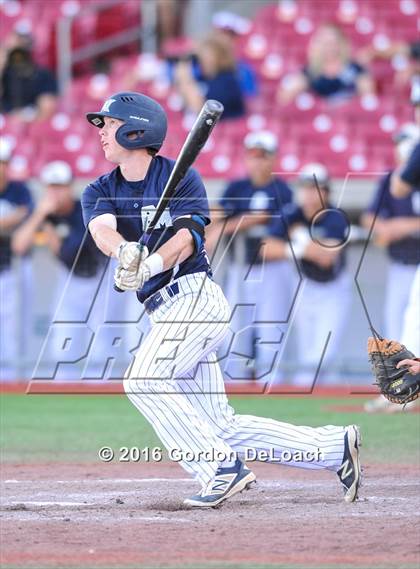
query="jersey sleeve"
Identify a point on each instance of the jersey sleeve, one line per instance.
(411, 172)
(95, 202)
(286, 194)
(337, 227)
(69, 248)
(380, 204)
(190, 198)
(277, 227)
(22, 196)
(229, 201)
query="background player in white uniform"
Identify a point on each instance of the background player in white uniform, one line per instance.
(15, 205)
(258, 324)
(396, 225)
(323, 300)
(175, 380)
(58, 215)
(406, 180)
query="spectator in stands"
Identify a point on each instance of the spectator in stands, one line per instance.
(27, 88)
(318, 234)
(21, 36)
(396, 226)
(170, 19)
(231, 27)
(58, 219)
(248, 206)
(218, 79)
(15, 205)
(405, 55)
(330, 72)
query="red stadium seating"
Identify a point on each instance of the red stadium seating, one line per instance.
(353, 136)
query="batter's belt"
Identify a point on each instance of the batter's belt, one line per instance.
(153, 302)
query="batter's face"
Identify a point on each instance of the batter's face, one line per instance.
(113, 151)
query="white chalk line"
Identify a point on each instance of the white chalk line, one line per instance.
(47, 503)
(270, 483)
(97, 480)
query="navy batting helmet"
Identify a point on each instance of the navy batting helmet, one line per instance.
(142, 116)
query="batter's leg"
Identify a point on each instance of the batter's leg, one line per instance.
(253, 436)
(181, 335)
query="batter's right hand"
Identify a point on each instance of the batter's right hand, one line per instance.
(130, 254)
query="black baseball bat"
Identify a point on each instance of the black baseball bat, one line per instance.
(196, 139)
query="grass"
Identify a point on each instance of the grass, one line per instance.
(38, 428)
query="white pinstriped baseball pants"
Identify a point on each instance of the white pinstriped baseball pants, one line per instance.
(176, 382)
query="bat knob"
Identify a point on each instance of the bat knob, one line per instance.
(118, 289)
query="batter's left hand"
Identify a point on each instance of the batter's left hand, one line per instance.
(126, 279)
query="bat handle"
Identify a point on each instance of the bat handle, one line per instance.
(143, 242)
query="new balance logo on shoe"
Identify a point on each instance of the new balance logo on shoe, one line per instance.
(345, 469)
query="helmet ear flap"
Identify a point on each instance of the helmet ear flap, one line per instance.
(121, 136)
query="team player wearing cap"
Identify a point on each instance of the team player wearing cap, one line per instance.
(15, 205)
(396, 225)
(57, 219)
(248, 207)
(318, 235)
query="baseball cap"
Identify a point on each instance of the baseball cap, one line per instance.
(5, 149)
(225, 20)
(261, 140)
(313, 171)
(57, 173)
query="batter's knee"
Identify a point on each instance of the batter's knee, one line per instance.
(137, 386)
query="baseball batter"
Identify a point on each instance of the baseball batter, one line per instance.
(175, 380)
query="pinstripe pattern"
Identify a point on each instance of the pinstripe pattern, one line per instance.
(177, 384)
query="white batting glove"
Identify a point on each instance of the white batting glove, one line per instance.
(130, 254)
(127, 279)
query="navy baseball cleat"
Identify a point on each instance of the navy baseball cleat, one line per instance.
(227, 482)
(350, 472)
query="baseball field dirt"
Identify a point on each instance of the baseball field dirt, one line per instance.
(61, 506)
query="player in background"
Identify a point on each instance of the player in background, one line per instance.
(248, 206)
(58, 219)
(405, 180)
(397, 227)
(317, 239)
(175, 380)
(15, 205)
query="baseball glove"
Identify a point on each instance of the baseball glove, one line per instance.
(397, 385)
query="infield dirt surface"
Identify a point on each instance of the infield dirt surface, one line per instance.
(117, 515)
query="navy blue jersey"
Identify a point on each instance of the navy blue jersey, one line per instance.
(342, 84)
(77, 243)
(225, 87)
(242, 197)
(330, 225)
(411, 171)
(22, 89)
(405, 250)
(134, 204)
(15, 194)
